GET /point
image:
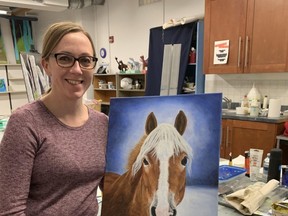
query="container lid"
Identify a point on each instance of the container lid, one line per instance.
(276, 153)
(227, 173)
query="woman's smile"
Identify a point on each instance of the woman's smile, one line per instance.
(74, 82)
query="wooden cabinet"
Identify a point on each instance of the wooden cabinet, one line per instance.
(257, 34)
(239, 136)
(14, 94)
(107, 92)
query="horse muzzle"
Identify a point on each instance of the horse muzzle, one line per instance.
(172, 212)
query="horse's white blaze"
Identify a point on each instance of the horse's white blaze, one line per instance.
(163, 184)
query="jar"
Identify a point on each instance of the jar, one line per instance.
(254, 111)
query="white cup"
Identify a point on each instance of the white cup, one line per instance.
(110, 85)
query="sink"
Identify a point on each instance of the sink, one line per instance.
(227, 111)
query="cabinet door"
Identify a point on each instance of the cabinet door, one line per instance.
(259, 135)
(267, 36)
(225, 147)
(225, 20)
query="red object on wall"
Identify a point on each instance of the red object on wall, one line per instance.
(111, 39)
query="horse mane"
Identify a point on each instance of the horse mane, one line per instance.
(163, 141)
(134, 153)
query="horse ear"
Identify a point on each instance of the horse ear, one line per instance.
(151, 123)
(181, 122)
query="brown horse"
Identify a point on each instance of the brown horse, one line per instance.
(155, 180)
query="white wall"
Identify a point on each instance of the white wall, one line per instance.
(125, 20)
(130, 24)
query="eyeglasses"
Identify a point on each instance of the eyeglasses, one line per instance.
(66, 61)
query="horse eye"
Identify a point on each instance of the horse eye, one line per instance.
(184, 161)
(145, 161)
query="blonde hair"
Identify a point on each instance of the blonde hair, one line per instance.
(56, 32)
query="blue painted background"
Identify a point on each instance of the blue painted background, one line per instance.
(127, 119)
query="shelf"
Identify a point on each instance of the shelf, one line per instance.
(16, 79)
(10, 65)
(106, 94)
(105, 103)
(132, 90)
(13, 92)
(101, 89)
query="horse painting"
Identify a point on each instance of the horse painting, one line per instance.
(155, 179)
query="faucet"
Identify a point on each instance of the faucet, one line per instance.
(228, 102)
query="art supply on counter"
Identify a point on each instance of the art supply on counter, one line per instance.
(254, 108)
(275, 164)
(245, 102)
(255, 163)
(228, 173)
(274, 108)
(247, 163)
(284, 174)
(241, 110)
(230, 159)
(266, 166)
(254, 94)
(280, 208)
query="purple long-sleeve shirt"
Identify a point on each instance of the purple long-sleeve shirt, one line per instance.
(49, 168)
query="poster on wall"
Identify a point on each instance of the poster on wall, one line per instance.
(36, 80)
(156, 152)
(221, 52)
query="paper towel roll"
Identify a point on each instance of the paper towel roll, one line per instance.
(274, 108)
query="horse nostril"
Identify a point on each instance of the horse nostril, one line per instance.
(174, 212)
(153, 211)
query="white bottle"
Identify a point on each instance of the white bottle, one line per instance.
(266, 166)
(265, 102)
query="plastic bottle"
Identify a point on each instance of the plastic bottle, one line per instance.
(247, 163)
(266, 166)
(275, 164)
(254, 108)
(230, 159)
(245, 102)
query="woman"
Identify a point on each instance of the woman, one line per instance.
(52, 155)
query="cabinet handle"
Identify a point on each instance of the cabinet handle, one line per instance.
(227, 137)
(246, 51)
(239, 51)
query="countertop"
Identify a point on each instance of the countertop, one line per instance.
(231, 114)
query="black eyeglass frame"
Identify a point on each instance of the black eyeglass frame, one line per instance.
(94, 59)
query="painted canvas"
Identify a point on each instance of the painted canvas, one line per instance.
(22, 36)
(163, 156)
(3, 57)
(36, 80)
(2, 85)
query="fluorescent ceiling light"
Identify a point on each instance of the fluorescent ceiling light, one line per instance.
(3, 12)
(48, 5)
